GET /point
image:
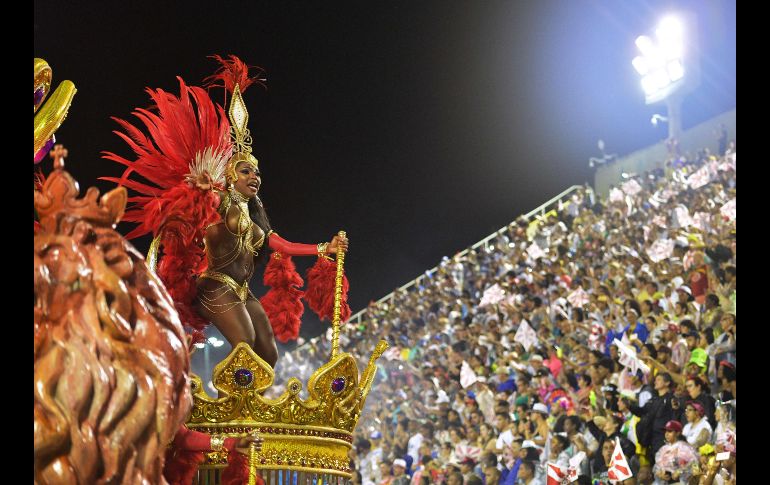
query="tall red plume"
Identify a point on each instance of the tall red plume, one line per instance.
(319, 294)
(283, 303)
(234, 71)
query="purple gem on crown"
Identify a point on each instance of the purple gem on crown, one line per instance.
(243, 377)
(338, 384)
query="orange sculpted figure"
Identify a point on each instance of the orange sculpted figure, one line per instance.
(111, 361)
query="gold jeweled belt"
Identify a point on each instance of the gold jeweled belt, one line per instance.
(242, 291)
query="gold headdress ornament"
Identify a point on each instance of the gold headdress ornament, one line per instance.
(234, 77)
(239, 131)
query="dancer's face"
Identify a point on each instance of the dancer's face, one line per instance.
(248, 180)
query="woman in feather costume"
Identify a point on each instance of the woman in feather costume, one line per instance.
(204, 212)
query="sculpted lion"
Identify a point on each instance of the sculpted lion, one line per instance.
(111, 361)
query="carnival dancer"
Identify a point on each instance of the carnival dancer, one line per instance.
(204, 212)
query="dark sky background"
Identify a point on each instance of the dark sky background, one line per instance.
(418, 127)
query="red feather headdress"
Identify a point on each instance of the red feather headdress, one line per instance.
(188, 134)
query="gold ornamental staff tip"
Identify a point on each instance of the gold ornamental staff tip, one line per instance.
(336, 317)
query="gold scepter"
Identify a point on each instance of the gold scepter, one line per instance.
(252, 464)
(336, 316)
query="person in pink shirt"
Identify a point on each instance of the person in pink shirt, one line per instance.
(553, 362)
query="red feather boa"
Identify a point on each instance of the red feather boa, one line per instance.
(319, 294)
(283, 303)
(182, 215)
(180, 467)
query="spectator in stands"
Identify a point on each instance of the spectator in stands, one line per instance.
(697, 431)
(672, 472)
(655, 414)
(528, 474)
(697, 391)
(385, 472)
(399, 473)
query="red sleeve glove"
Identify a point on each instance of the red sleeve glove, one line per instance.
(277, 243)
(191, 440)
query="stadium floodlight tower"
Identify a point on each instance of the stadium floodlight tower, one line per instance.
(669, 65)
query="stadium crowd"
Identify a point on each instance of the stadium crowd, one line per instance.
(601, 326)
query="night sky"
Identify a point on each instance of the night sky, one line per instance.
(418, 127)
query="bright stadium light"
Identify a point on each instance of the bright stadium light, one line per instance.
(668, 65)
(675, 70)
(670, 29)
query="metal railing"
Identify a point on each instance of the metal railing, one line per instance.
(540, 210)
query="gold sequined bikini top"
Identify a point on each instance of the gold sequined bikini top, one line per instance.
(244, 233)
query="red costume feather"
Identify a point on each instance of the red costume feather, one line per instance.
(283, 302)
(180, 130)
(319, 294)
(182, 465)
(233, 71)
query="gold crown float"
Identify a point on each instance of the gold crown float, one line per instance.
(306, 437)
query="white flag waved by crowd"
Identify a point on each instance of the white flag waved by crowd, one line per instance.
(627, 356)
(660, 250)
(619, 469)
(467, 376)
(699, 178)
(616, 195)
(492, 295)
(728, 210)
(578, 298)
(534, 251)
(525, 335)
(556, 475)
(574, 466)
(392, 353)
(632, 187)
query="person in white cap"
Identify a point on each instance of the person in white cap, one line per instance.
(535, 364)
(684, 294)
(399, 472)
(539, 416)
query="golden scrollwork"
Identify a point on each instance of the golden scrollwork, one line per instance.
(304, 456)
(243, 357)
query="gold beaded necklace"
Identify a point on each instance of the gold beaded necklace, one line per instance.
(245, 224)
